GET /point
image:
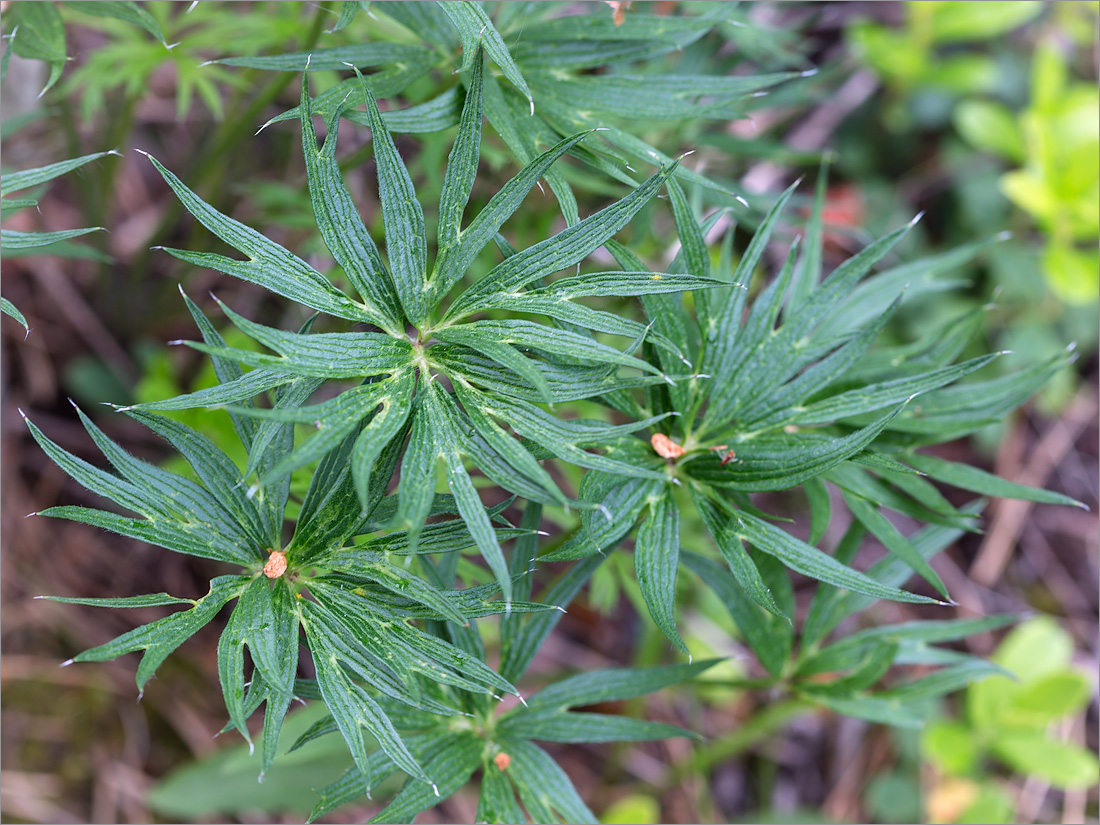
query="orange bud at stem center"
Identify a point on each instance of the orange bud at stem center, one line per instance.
(276, 565)
(665, 447)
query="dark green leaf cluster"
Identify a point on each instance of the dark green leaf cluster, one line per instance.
(551, 92)
(791, 394)
(516, 774)
(716, 396)
(357, 621)
(498, 370)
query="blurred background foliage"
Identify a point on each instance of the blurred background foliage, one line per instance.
(1015, 122)
(984, 115)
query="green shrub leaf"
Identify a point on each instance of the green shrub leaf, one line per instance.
(404, 218)
(656, 562)
(478, 33)
(158, 639)
(811, 562)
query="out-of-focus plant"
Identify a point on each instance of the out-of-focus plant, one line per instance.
(925, 51)
(186, 36)
(1008, 721)
(144, 38)
(951, 71)
(16, 243)
(1055, 142)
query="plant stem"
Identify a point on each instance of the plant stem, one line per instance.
(758, 727)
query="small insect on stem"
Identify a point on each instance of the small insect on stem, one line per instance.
(728, 456)
(276, 565)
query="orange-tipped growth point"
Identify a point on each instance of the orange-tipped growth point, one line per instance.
(502, 761)
(665, 447)
(276, 565)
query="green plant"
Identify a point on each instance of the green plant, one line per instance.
(552, 60)
(975, 76)
(1008, 719)
(182, 37)
(1056, 142)
(455, 365)
(15, 243)
(18, 243)
(1053, 139)
(915, 55)
(139, 45)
